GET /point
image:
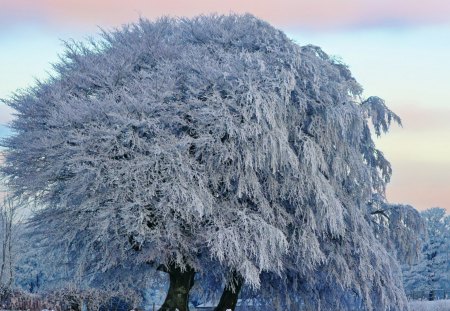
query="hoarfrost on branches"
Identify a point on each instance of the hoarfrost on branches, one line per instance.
(429, 278)
(214, 144)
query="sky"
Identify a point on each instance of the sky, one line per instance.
(398, 50)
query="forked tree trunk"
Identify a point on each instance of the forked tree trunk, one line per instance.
(230, 293)
(181, 283)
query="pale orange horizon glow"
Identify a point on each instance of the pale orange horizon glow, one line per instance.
(420, 157)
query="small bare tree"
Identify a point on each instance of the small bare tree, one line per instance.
(8, 213)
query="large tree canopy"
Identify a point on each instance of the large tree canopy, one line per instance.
(213, 144)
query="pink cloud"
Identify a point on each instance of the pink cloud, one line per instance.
(286, 13)
(420, 197)
(417, 118)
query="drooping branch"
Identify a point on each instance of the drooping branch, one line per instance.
(381, 213)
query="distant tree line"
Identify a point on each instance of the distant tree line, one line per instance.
(429, 278)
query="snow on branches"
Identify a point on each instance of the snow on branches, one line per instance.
(215, 144)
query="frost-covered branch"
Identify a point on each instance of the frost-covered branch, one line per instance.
(213, 144)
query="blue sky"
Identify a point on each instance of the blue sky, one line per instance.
(4, 131)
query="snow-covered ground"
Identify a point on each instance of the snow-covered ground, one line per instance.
(416, 305)
(437, 305)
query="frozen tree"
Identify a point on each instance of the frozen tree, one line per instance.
(8, 239)
(430, 277)
(213, 145)
(142, 160)
(399, 227)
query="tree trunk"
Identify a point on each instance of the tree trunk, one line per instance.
(431, 295)
(230, 293)
(181, 283)
(4, 224)
(10, 281)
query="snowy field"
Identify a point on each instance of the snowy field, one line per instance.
(437, 305)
